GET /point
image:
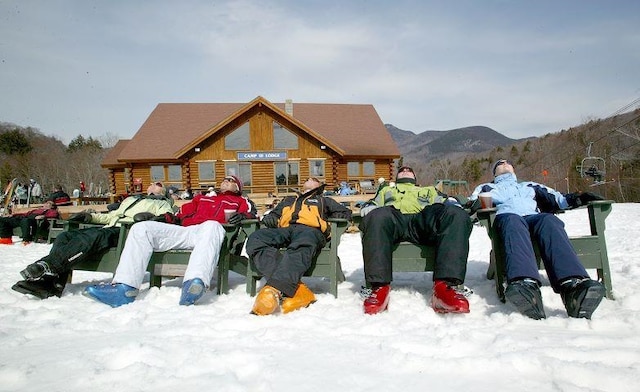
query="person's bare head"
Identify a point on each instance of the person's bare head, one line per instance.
(311, 183)
(156, 188)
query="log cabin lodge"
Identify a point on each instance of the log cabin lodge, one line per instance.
(272, 147)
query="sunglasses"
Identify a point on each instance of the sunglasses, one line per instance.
(230, 179)
(406, 169)
(502, 162)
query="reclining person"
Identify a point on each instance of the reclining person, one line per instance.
(28, 223)
(197, 227)
(48, 276)
(523, 211)
(420, 215)
(299, 224)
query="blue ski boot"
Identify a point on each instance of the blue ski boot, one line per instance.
(192, 290)
(114, 295)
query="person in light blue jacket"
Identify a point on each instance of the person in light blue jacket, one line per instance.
(525, 210)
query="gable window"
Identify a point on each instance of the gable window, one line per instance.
(283, 138)
(238, 139)
(316, 168)
(206, 171)
(240, 170)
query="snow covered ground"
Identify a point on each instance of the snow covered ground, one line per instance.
(75, 344)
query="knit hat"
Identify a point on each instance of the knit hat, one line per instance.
(237, 181)
(498, 163)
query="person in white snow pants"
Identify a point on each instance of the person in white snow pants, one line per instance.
(144, 238)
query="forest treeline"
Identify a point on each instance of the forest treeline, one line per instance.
(26, 153)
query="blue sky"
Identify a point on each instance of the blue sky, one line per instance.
(523, 68)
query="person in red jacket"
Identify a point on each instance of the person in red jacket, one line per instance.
(196, 227)
(27, 221)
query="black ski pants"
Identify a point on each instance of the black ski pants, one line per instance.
(446, 227)
(28, 225)
(284, 270)
(75, 246)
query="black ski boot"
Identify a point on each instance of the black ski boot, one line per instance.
(43, 288)
(525, 295)
(581, 296)
(37, 271)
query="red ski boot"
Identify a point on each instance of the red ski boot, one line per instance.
(448, 299)
(378, 300)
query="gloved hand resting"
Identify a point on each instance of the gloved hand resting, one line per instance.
(270, 220)
(236, 218)
(578, 199)
(143, 216)
(81, 217)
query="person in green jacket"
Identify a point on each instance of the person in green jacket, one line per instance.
(48, 276)
(421, 215)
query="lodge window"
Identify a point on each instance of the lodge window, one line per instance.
(316, 168)
(240, 170)
(238, 139)
(170, 174)
(368, 169)
(283, 138)
(361, 169)
(287, 174)
(206, 171)
(353, 169)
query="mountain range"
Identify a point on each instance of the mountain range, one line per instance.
(427, 146)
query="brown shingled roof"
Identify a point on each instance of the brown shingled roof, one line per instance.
(111, 158)
(172, 128)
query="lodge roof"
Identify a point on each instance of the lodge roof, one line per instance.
(173, 129)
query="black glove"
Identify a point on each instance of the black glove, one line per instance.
(270, 220)
(472, 206)
(143, 216)
(80, 217)
(167, 217)
(236, 218)
(586, 197)
(578, 199)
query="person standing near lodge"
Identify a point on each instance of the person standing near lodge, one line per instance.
(59, 197)
(196, 227)
(406, 212)
(299, 224)
(35, 192)
(524, 210)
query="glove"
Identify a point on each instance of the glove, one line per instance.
(586, 197)
(270, 220)
(143, 216)
(473, 206)
(81, 217)
(167, 217)
(236, 218)
(578, 199)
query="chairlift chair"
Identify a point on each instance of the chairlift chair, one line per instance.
(594, 167)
